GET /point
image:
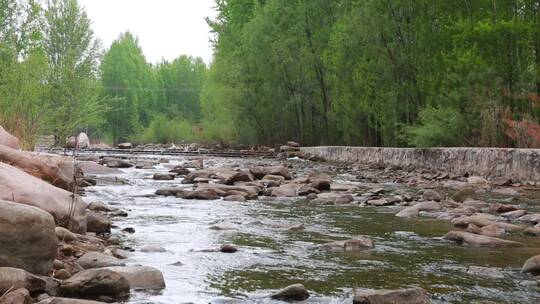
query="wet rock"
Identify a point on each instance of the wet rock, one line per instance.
(380, 202)
(512, 215)
(141, 277)
(116, 163)
(475, 240)
(320, 181)
(27, 237)
(151, 248)
(414, 210)
(93, 168)
(296, 292)
(231, 177)
(97, 260)
(200, 193)
(180, 170)
(506, 191)
(95, 283)
(503, 208)
(14, 278)
(293, 144)
(129, 230)
(492, 230)
(333, 199)
(270, 177)
(286, 190)
(234, 198)
(198, 174)
(533, 218)
(431, 195)
(28, 190)
(532, 231)
(492, 273)
(482, 220)
(98, 223)
(249, 191)
(413, 295)
(463, 194)
(98, 207)
(260, 172)
(532, 265)
(55, 300)
(472, 228)
(125, 146)
(290, 227)
(62, 234)
(355, 244)
(306, 190)
(227, 248)
(164, 176)
(169, 191)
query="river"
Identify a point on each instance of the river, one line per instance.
(408, 252)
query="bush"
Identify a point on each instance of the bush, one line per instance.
(162, 130)
(441, 126)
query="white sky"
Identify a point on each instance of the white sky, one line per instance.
(165, 28)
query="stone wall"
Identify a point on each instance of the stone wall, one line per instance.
(518, 164)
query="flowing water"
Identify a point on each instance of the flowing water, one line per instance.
(407, 253)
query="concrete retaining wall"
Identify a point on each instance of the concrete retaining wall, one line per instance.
(519, 164)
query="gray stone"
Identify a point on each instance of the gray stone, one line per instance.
(400, 296)
(141, 277)
(296, 292)
(94, 283)
(98, 260)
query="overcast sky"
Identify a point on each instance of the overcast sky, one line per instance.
(166, 28)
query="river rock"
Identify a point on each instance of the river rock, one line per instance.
(533, 218)
(55, 300)
(234, 198)
(476, 180)
(98, 207)
(229, 177)
(125, 146)
(27, 238)
(153, 248)
(8, 140)
(482, 219)
(320, 181)
(25, 189)
(141, 277)
(333, 199)
(228, 248)
(355, 244)
(463, 194)
(475, 240)
(116, 163)
(14, 278)
(97, 260)
(93, 168)
(532, 231)
(164, 176)
(532, 265)
(180, 170)
(512, 215)
(64, 235)
(94, 283)
(431, 195)
(415, 209)
(62, 274)
(503, 208)
(224, 226)
(286, 190)
(17, 296)
(492, 230)
(98, 223)
(201, 194)
(400, 296)
(260, 171)
(296, 292)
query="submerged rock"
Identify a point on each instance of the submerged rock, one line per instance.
(475, 240)
(355, 244)
(487, 272)
(400, 296)
(296, 292)
(414, 210)
(164, 176)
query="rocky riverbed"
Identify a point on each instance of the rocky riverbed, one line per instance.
(368, 228)
(154, 229)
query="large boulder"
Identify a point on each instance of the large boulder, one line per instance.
(532, 265)
(97, 222)
(57, 170)
(260, 171)
(14, 278)
(8, 140)
(22, 188)
(27, 238)
(141, 277)
(95, 283)
(83, 142)
(475, 240)
(17, 296)
(286, 190)
(402, 296)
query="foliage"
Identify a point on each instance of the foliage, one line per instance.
(442, 126)
(162, 130)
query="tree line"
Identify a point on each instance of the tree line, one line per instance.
(343, 72)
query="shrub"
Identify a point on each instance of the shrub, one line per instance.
(439, 126)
